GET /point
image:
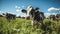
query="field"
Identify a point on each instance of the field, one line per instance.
(22, 26)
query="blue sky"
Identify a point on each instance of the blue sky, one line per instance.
(44, 5)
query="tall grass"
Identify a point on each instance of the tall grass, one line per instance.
(22, 26)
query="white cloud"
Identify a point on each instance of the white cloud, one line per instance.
(16, 6)
(18, 10)
(17, 15)
(11, 12)
(53, 9)
(19, 7)
(0, 11)
(47, 14)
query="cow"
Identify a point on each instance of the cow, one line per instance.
(34, 14)
(57, 17)
(52, 17)
(9, 16)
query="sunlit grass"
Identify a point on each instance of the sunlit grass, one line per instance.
(22, 26)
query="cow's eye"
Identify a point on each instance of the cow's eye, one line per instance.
(24, 11)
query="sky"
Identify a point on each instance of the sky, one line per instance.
(15, 6)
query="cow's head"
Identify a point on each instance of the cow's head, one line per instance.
(32, 12)
(28, 11)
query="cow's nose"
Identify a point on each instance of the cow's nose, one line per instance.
(27, 17)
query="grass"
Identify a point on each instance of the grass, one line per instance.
(22, 26)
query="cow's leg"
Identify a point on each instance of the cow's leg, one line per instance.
(32, 23)
(35, 24)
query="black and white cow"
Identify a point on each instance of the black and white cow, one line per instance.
(52, 17)
(9, 16)
(34, 13)
(58, 16)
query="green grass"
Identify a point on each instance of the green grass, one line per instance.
(22, 26)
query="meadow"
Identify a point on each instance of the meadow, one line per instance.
(22, 26)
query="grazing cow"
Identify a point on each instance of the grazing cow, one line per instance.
(52, 17)
(10, 16)
(58, 16)
(34, 14)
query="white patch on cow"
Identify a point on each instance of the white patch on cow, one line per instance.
(25, 15)
(28, 10)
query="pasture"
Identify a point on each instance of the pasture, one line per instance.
(22, 26)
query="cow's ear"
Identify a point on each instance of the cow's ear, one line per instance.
(3, 13)
(24, 11)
